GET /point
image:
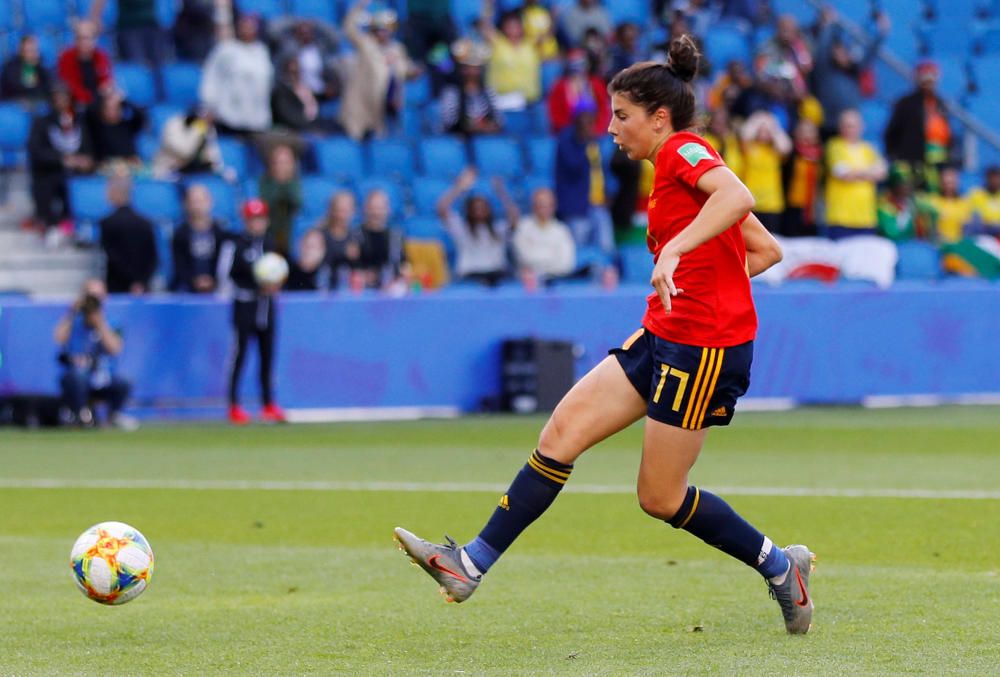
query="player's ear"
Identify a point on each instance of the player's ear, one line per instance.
(662, 121)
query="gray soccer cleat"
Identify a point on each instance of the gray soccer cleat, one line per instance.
(793, 593)
(442, 562)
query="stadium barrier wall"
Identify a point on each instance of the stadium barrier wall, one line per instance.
(825, 345)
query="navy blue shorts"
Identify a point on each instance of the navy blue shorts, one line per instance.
(686, 386)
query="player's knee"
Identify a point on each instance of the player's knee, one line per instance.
(557, 440)
(660, 505)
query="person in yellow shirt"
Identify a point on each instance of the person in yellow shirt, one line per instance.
(854, 169)
(951, 211)
(720, 134)
(515, 69)
(539, 29)
(985, 202)
(765, 147)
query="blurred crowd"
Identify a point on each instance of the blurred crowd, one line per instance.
(786, 120)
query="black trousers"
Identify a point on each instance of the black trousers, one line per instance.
(253, 320)
(48, 190)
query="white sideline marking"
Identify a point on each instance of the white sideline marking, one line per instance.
(475, 487)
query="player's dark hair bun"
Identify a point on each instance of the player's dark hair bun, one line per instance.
(683, 58)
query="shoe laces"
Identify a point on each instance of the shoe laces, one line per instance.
(451, 542)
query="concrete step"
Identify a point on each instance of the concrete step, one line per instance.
(17, 239)
(42, 259)
(36, 282)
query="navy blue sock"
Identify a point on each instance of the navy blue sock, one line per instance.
(529, 495)
(712, 520)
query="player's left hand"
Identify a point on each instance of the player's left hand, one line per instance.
(663, 277)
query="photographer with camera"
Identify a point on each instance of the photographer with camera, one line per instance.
(88, 348)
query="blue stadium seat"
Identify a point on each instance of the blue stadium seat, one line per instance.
(802, 11)
(321, 10)
(50, 46)
(180, 83)
(157, 200)
(725, 43)
(268, 9)
(50, 16)
(498, 156)
(316, 192)
(551, 71)
(464, 13)
(397, 197)
(159, 114)
(391, 158)
(636, 11)
(15, 125)
(442, 157)
(109, 15)
(528, 187)
(147, 145)
(424, 228)
(426, 191)
(340, 158)
(6, 16)
(917, 261)
(234, 155)
(542, 156)
(166, 12)
(88, 197)
(519, 123)
(163, 233)
(137, 82)
(875, 115)
(418, 91)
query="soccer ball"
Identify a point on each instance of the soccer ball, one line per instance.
(112, 563)
(270, 269)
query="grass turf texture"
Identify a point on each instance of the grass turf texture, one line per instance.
(292, 582)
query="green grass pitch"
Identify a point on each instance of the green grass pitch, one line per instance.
(293, 571)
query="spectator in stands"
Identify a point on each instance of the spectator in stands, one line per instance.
(514, 70)
(731, 86)
(539, 29)
(699, 15)
(281, 189)
(313, 45)
(254, 312)
(194, 30)
(543, 245)
(838, 73)
(115, 125)
(189, 144)
(293, 104)
(626, 49)
(428, 24)
(853, 169)
(138, 33)
(309, 271)
(468, 106)
(575, 88)
(725, 139)
(59, 146)
(128, 242)
(480, 238)
(918, 134)
(236, 81)
(580, 183)
(900, 215)
(373, 92)
(986, 202)
(806, 165)
(575, 21)
(85, 67)
(343, 244)
(950, 211)
(196, 244)
(24, 77)
(381, 244)
(766, 147)
(88, 348)
(625, 202)
(784, 62)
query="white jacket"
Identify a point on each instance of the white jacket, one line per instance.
(236, 84)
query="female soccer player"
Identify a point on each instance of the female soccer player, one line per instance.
(683, 370)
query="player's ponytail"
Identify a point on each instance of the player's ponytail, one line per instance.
(657, 85)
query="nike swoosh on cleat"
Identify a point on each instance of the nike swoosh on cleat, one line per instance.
(802, 589)
(433, 562)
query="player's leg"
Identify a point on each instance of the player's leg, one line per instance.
(602, 403)
(237, 414)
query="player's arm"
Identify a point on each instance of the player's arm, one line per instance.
(763, 251)
(728, 202)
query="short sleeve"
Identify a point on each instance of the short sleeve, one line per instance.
(688, 159)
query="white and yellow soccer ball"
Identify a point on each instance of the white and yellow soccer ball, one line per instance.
(270, 269)
(112, 563)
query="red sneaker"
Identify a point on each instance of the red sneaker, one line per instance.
(272, 413)
(238, 415)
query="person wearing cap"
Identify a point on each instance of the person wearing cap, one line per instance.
(373, 92)
(254, 310)
(918, 134)
(577, 85)
(468, 106)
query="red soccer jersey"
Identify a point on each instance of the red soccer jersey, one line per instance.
(716, 308)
